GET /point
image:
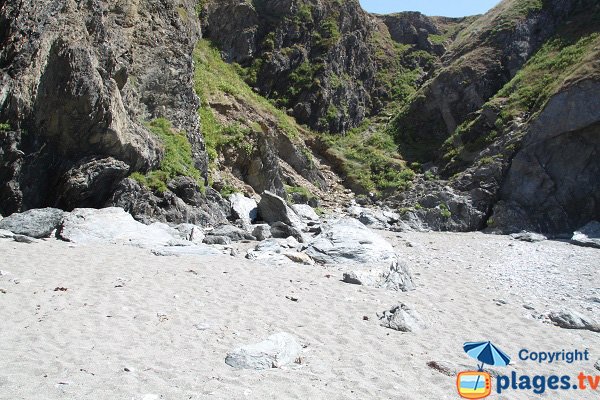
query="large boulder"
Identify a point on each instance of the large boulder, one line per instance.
(243, 208)
(277, 351)
(588, 236)
(273, 208)
(38, 223)
(349, 242)
(396, 277)
(90, 183)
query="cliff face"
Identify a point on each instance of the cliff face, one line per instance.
(327, 62)
(79, 83)
(482, 122)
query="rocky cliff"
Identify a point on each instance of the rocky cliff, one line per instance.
(80, 81)
(164, 107)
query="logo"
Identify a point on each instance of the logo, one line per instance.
(478, 384)
(474, 384)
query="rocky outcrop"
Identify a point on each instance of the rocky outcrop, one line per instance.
(77, 82)
(488, 55)
(552, 183)
(202, 207)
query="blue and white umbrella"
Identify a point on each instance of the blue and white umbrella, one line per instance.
(486, 353)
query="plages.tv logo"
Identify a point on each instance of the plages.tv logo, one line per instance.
(478, 384)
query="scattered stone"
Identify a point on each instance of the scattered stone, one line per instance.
(294, 299)
(243, 208)
(273, 208)
(262, 232)
(568, 319)
(588, 236)
(402, 318)
(300, 258)
(597, 365)
(38, 223)
(277, 351)
(396, 277)
(528, 237)
(23, 239)
(283, 231)
(305, 212)
(223, 240)
(347, 241)
(271, 245)
(529, 307)
(233, 232)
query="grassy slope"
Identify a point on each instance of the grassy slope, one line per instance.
(568, 57)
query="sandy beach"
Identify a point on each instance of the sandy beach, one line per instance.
(116, 322)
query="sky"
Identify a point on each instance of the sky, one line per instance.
(445, 8)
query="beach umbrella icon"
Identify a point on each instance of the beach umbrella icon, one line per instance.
(486, 353)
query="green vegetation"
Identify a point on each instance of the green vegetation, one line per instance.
(215, 80)
(557, 61)
(370, 159)
(445, 211)
(517, 10)
(5, 127)
(304, 193)
(177, 160)
(544, 73)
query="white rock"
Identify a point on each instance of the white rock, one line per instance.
(305, 212)
(402, 318)
(277, 351)
(243, 207)
(347, 241)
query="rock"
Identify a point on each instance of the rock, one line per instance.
(283, 231)
(262, 232)
(396, 277)
(147, 206)
(348, 242)
(402, 318)
(273, 208)
(528, 237)
(111, 225)
(37, 223)
(300, 258)
(4, 234)
(90, 182)
(587, 236)
(271, 245)
(305, 212)
(597, 365)
(190, 232)
(23, 239)
(243, 207)
(277, 351)
(233, 232)
(223, 240)
(569, 319)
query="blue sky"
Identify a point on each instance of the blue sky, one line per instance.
(446, 8)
